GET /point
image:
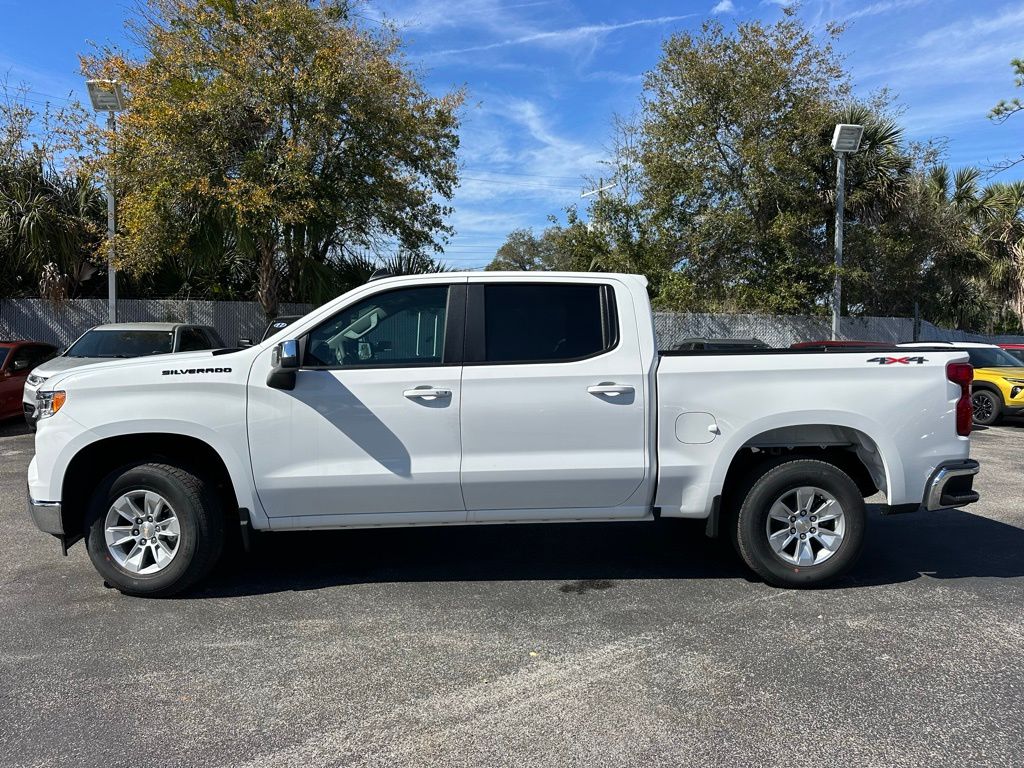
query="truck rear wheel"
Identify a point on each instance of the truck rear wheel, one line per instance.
(154, 529)
(800, 523)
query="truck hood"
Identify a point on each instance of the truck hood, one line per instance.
(175, 360)
(62, 364)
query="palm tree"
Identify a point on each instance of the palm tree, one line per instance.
(878, 174)
(50, 223)
(1001, 216)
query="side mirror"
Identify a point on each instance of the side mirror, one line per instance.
(284, 360)
(18, 365)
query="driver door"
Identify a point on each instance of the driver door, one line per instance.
(371, 430)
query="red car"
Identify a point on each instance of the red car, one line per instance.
(17, 358)
(1017, 350)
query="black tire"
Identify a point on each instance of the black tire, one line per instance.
(988, 407)
(200, 519)
(767, 484)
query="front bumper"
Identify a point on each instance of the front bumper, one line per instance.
(47, 516)
(951, 485)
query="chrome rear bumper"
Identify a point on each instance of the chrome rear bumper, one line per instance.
(951, 485)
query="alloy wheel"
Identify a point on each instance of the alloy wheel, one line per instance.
(805, 526)
(142, 532)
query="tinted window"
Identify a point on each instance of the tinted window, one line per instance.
(278, 324)
(3, 355)
(191, 339)
(982, 357)
(403, 327)
(35, 354)
(122, 344)
(213, 337)
(543, 323)
(1017, 353)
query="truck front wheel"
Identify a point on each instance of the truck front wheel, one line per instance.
(154, 529)
(800, 523)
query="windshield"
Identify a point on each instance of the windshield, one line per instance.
(1018, 353)
(992, 358)
(122, 344)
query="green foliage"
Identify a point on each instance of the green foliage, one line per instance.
(52, 218)
(268, 140)
(524, 251)
(723, 193)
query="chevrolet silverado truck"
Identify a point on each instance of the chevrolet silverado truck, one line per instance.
(474, 398)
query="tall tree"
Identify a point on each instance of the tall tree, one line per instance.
(1002, 230)
(52, 214)
(730, 120)
(525, 251)
(302, 136)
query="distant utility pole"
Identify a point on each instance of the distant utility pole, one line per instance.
(845, 141)
(107, 96)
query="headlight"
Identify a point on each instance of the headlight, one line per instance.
(1014, 381)
(35, 380)
(48, 403)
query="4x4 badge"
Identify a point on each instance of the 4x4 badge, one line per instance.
(898, 360)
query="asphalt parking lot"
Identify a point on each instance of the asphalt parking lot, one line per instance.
(599, 644)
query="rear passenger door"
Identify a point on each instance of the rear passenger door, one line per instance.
(553, 401)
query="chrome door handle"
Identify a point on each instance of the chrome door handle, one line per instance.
(610, 389)
(427, 393)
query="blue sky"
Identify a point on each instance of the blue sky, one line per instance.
(544, 77)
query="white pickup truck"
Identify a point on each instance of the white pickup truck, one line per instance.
(457, 398)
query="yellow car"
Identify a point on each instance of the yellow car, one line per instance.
(998, 388)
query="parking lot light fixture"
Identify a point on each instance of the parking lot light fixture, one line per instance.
(845, 141)
(108, 96)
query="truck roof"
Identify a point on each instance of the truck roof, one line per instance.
(142, 326)
(531, 276)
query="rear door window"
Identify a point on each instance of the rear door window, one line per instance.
(547, 323)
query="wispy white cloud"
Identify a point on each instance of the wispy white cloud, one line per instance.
(879, 8)
(975, 30)
(431, 16)
(562, 37)
(724, 6)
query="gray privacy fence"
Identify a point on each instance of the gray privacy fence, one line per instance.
(61, 324)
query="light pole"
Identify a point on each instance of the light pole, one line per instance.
(845, 141)
(107, 96)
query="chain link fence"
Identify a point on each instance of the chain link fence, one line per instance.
(62, 323)
(784, 330)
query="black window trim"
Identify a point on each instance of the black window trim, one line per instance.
(454, 327)
(476, 352)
